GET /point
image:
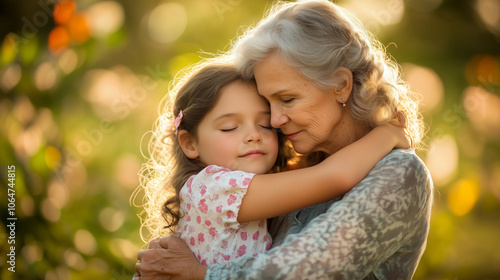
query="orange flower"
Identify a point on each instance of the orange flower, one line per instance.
(78, 28)
(58, 39)
(71, 27)
(63, 11)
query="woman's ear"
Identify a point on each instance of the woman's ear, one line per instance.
(344, 86)
(188, 144)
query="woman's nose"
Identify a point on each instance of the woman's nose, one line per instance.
(278, 119)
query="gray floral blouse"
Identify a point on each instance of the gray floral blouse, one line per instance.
(378, 230)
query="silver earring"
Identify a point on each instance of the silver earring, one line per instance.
(342, 101)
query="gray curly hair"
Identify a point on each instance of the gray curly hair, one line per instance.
(318, 37)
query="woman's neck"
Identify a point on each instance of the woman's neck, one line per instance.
(347, 132)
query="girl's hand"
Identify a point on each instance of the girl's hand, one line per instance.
(396, 127)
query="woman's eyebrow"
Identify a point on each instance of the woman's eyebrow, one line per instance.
(275, 93)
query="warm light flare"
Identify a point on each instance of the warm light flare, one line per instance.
(442, 159)
(462, 196)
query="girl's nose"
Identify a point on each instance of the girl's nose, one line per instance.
(254, 135)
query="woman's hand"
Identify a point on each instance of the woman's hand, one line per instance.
(168, 258)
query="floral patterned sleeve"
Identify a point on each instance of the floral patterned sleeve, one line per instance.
(378, 230)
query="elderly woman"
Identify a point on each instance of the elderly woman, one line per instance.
(328, 83)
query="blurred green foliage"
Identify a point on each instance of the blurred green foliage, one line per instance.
(72, 121)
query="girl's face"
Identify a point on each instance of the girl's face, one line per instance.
(306, 114)
(237, 133)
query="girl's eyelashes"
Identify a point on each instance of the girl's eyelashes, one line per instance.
(228, 129)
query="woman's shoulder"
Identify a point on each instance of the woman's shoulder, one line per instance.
(404, 164)
(403, 157)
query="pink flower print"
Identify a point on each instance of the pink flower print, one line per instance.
(215, 197)
(230, 215)
(255, 236)
(242, 250)
(188, 184)
(203, 262)
(203, 190)
(226, 257)
(188, 206)
(261, 223)
(219, 220)
(231, 200)
(244, 236)
(247, 181)
(203, 206)
(209, 169)
(218, 209)
(217, 178)
(232, 182)
(201, 238)
(224, 244)
(192, 241)
(212, 231)
(188, 219)
(198, 220)
(268, 246)
(208, 223)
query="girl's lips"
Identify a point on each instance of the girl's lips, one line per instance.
(255, 153)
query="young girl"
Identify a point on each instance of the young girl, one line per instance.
(222, 173)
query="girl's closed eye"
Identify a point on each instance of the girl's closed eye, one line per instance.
(228, 129)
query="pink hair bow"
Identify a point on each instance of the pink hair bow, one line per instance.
(178, 121)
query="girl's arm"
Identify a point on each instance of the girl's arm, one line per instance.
(271, 195)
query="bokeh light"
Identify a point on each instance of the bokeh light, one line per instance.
(442, 159)
(105, 18)
(10, 77)
(462, 196)
(167, 22)
(489, 11)
(483, 111)
(425, 82)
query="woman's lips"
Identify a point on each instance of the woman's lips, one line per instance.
(292, 135)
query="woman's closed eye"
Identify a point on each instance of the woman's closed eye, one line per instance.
(267, 126)
(287, 100)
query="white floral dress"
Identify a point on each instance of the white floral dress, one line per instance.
(210, 202)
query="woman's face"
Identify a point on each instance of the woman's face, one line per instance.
(309, 116)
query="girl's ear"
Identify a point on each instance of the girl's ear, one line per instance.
(188, 144)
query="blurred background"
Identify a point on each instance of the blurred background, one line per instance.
(80, 84)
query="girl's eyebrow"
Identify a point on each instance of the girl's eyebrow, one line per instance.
(229, 115)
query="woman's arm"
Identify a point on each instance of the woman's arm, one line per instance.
(379, 228)
(271, 195)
